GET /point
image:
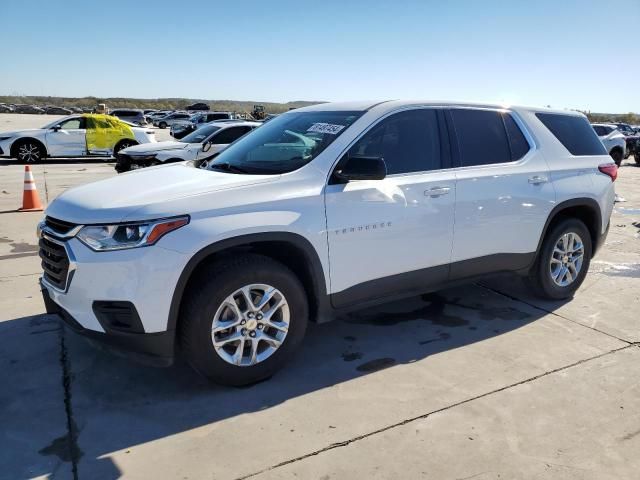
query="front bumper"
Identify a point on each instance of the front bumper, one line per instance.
(155, 349)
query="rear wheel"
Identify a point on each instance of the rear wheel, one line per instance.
(162, 125)
(122, 145)
(244, 319)
(617, 155)
(563, 260)
(29, 151)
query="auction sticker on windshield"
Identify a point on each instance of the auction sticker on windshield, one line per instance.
(325, 128)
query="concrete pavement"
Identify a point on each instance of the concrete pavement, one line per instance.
(481, 381)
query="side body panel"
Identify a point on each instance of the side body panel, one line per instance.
(502, 208)
(66, 142)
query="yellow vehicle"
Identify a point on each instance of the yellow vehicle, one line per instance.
(82, 135)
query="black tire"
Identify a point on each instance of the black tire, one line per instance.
(540, 279)
(122, 165)
(162, 125)
(212, 286)
(617, 155)
(636, 157)
(38, 152)
(122, 145)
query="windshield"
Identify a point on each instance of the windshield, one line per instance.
(285, 143)
(199, 135)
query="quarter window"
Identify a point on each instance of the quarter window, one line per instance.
(574, 132)
(407, 141)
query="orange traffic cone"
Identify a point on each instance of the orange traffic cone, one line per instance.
(30, 198)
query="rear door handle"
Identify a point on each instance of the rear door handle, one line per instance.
(538, 179)
(437, 191)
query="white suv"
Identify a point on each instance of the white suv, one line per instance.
(323, 209)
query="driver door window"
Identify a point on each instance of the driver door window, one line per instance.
(408, 142)
(73, 124)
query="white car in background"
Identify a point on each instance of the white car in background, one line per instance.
(82, 135)
(614, 141)
(170, 119)
(203, 142)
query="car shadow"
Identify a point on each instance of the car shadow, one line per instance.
(129, 404)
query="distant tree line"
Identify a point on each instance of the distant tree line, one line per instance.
(631, 118)
(156, 103)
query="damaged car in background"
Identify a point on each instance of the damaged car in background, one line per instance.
(74, 136)
(203, 142)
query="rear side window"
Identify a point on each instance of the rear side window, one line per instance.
(517, 143)
(574, 132)
(482, 137)
(407, 141)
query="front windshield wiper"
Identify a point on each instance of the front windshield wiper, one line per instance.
(227, 167)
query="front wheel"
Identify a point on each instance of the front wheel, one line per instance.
(29, 152)
(162, 125)
(243, 319)
(563, 260)
(636, 157)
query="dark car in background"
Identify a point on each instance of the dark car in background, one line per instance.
(53, 110)
(28, 109)
(632, 138)
(180, 129)
(198, 107)
(131, 115)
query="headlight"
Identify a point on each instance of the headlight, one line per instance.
(128, 235)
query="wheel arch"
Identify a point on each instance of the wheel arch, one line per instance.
(291, 249)
(618, 148)
(585, 209)
(133, 141)
(19, 141)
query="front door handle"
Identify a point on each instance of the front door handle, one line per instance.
(538, 179)
(437, 191)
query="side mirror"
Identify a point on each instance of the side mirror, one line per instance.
(55, 128)
(206, 146)
(361, 168)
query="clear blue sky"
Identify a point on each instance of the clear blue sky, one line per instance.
(560, 53)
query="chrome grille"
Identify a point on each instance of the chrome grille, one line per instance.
(58, 226)
(55, 262)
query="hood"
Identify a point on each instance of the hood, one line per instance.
(614, 134)
(154, 147)
(22, 133)
(125, 196)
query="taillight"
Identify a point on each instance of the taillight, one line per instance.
(609, 169)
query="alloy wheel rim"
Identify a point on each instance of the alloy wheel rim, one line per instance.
(29, 153)
(250, 325)
(567, 259)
